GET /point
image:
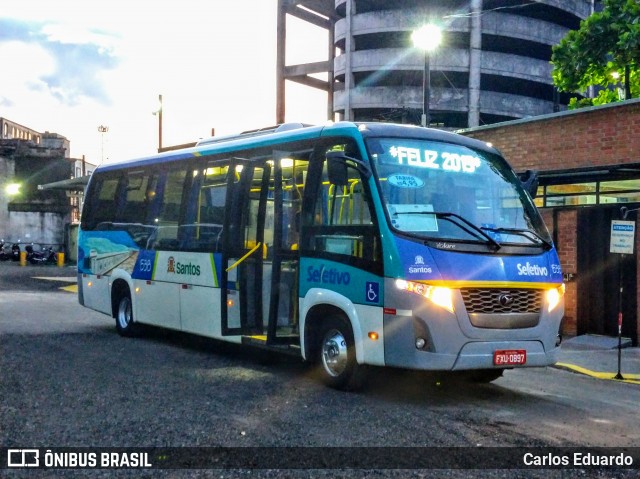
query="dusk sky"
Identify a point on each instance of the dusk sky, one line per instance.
(70, 66)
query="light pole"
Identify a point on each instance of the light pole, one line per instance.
(426, 38)
(160, 124)
(159, 113)
(102, 129)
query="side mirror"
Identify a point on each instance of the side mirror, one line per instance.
(529, 180)
(337, 168)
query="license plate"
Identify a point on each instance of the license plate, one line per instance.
(509, 357)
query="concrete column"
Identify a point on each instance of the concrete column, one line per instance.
(348, 51)
(475, 61)
(330, 73)
(281, 42)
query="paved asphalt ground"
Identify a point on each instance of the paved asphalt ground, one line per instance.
(14, 277)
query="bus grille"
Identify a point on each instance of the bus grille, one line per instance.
(493, 301)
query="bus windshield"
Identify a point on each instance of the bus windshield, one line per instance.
(446, 192)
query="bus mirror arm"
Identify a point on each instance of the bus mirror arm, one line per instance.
(337, 163)
(529, 180)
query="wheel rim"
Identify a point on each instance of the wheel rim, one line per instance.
(124, 313)
(334, 353)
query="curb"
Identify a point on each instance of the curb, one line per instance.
(628, 378)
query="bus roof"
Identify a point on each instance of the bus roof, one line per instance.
(372, 129)
(289, 132)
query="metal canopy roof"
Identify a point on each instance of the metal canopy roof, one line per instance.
(619, 171)
(73, 184)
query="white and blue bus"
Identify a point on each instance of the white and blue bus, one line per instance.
(347, 244)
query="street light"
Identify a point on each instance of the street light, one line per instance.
(426, 38)
(621, 92)
(12, 189)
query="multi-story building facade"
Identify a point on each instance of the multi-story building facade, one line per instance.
(492, 65)
(10, 130)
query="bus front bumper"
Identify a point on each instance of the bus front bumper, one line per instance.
(474, 355)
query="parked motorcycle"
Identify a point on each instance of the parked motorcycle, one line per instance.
(45, 256)
(5, 251)
(15, 251)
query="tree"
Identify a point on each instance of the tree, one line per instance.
(608, 42)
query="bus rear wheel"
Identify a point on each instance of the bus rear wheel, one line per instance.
(337, 356)
(125, 324)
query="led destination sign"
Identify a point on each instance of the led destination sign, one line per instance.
(435, 160)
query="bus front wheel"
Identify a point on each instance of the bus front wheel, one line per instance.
(337, 356)
(124, 317)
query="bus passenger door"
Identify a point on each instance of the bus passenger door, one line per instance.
(283, 229)
(244, 249)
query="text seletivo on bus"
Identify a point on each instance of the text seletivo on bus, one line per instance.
(435, 160)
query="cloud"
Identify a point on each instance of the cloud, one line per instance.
(77, 58)
(6, 102)
(75, 65)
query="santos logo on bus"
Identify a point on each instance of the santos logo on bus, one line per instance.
(176, 267)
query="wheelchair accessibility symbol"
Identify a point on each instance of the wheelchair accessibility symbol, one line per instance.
(372, 292)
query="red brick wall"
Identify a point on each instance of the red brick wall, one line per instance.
(567, 224)
(600, 136)
(596, 136)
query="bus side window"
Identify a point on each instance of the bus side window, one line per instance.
(134, 209)
(202, 230)
(170, 191)
(103, 205)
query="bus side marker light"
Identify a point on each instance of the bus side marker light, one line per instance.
(137, 290)
(373, 336)
(554, 296)
(229, 302)
(90, 283)
(438, 295)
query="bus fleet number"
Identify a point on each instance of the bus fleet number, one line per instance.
(145, 265)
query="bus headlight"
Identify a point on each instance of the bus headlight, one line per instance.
(438, 295)
(554, 296)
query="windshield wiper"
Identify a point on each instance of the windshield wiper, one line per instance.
(531, 235)
(475, 229)
(467, 226)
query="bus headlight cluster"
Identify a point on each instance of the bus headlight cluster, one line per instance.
(438, 295)
(554, 296)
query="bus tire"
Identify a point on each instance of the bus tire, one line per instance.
(337, 355)
(125, 325)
